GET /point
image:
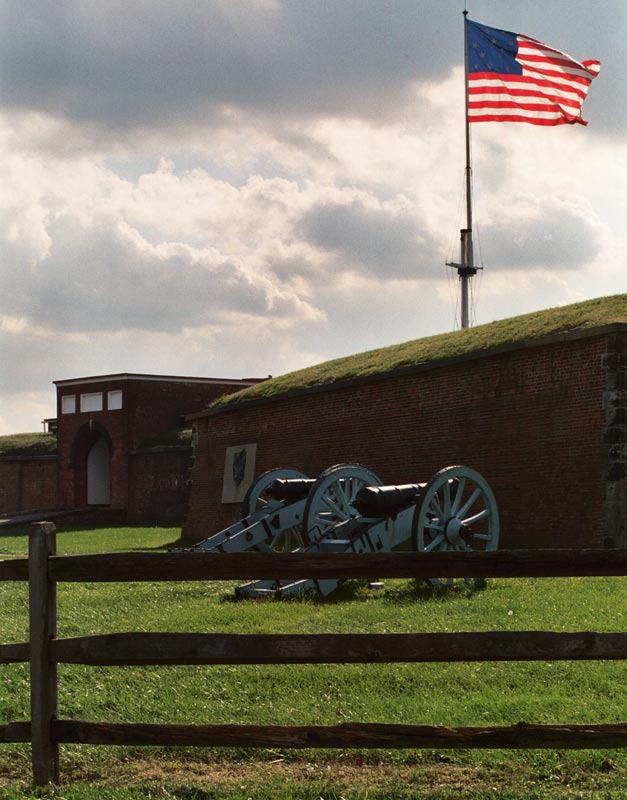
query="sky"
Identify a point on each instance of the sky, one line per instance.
(238, 188)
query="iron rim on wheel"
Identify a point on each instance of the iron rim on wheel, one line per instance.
(458, 513)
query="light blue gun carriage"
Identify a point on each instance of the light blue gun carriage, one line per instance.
(348, 510)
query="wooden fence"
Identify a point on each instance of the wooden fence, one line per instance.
(44, 569)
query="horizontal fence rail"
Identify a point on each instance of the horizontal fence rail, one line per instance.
(346, 735)
(14, 569)
(200, 566)
(14, 653)
(44, 569)
(145, 649)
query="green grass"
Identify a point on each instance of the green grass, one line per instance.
(579, 316)
(28, 444)
(444, 694)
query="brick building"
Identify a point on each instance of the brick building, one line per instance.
(537, 404)
(119, 447)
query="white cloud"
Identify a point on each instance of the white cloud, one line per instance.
(248, 187)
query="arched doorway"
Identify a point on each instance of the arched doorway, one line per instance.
(91, 465)
(99, 473)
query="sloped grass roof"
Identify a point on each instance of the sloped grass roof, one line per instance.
(507, 332)
(28, 444)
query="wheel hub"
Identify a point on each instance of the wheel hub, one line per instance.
(455, 532)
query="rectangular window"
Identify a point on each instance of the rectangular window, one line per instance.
(91, 402)
(114, 400)
(68, 404)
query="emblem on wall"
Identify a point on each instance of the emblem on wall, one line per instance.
(239, 466)
(239, 472)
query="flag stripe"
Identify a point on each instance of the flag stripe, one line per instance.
(514, 78)
(534, 120)
(515, 85)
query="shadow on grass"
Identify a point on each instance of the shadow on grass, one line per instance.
(358, 591)
(14, 532)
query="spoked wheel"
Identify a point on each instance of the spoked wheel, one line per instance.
(284, 541)
(330, 500)
(458, 512)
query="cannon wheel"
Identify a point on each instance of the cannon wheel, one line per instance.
(289, 539)
(458, 512)
(330, 499)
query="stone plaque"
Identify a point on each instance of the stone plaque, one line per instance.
(239, 472)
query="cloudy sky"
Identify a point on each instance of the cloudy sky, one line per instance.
(237, 188)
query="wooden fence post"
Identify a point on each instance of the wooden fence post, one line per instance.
(43, 672)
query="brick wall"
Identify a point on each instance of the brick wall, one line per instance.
(531, 420)
(159, 484)
(27, 483)
(615, 439)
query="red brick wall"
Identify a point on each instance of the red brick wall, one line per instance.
(155, 406)
(530, 420)
(28, 483)
(159, 484)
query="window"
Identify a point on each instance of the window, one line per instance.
(68, 404)
(114, 400)
(91, 402)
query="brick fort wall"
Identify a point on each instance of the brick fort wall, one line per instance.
(532, 420)
(28, 482)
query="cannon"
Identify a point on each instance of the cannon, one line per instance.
(348, 510)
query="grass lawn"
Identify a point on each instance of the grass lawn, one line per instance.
(443, 694)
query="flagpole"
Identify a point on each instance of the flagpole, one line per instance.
(466, 268)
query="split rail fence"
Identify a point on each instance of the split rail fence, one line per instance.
(44, 569)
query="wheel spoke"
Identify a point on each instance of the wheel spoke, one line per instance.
(435, 504)
(325, 521)
(481, 515)
(446, 490)
(334, 506)
(345, 496)
(458, 496)
(468, 504)
(463, 546)
(435, 543)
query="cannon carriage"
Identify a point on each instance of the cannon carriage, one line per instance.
(348, 510)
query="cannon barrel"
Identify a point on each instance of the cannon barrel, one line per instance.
(290, 488)
(383, 501)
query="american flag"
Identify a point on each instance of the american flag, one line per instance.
(514, 78)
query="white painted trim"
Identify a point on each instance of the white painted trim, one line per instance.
(125, 376)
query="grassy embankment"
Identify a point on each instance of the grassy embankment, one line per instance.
(28, 444)
(502, 333)
(455, 694)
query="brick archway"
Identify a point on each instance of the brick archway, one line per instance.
(92, 451)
